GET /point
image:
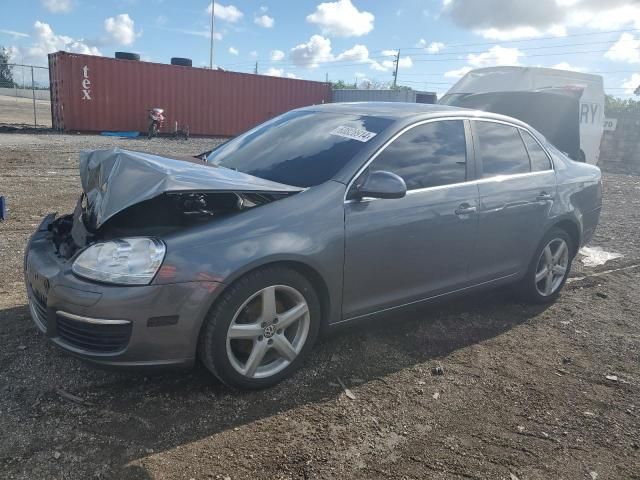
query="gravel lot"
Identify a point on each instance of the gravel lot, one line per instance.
(524, 394)
(17, 111)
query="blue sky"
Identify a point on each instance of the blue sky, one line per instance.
(439, 40)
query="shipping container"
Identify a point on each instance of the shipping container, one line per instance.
(387, 95)
(93, 94)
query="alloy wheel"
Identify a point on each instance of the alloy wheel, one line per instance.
(268, 331)
(552, 267)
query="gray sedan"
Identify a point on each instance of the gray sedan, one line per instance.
(320, 216)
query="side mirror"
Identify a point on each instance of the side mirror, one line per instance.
(381, 184)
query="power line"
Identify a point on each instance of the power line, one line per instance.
(609, 42)
(335, 63)
(550, 37)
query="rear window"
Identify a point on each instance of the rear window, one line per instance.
(539, 159)
(299, 148)
(501, 149)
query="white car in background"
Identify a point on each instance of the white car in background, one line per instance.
(529, 79)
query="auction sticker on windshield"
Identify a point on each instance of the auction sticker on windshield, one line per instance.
(353, 133)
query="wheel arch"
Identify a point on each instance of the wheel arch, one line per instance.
(573, 230)
(304, 268)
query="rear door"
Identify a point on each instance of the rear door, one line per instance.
(517, 187)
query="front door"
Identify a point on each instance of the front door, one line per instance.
(404, 250)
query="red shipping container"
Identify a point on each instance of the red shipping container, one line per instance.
(93, 94)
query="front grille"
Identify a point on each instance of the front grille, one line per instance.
(93, 337)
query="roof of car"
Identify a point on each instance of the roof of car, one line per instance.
(402, 110)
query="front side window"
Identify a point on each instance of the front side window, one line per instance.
(501, 149)
(539, 160)
(301, 148)
(428, 155)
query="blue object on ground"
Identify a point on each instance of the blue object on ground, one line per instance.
(3, 209)
(120, 134)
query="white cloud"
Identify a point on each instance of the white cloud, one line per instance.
(495, 56)
(631, 84)
(58, 6)
(378, 67)
(405, 62)
(626, 49)
(233, 51)
(14, 33)
(459, 73)
(275, 72)
(342, 19)
(607, 17)
(264, 21)
(567, 66)
(516, 19)
(253, 53)
(519, 33)
(45, 41)
(121, 29)
(358, 53)
(277, 55)
(279, 72)
(227, 13)
(312, 53)
(433, 47)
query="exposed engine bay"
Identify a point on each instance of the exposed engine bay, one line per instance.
(160, 215)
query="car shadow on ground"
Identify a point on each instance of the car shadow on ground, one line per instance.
(136, 413)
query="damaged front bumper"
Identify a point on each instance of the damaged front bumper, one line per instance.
(110, 324)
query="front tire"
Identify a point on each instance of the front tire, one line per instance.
(261, 329)
(549, 268)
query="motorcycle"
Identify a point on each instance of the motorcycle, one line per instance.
(156, 120)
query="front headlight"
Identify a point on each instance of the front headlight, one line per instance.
(126, 261)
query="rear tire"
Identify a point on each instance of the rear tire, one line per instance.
(253, 338)
(127, 56)
(183, 62)
(548, 269)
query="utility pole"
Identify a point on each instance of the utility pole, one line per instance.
(395, 73)
(326, 77)
(255, 70)
(213, 8)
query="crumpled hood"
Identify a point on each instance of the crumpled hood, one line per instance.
(116, 179)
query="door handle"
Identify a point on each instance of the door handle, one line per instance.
(465, 209)
(544, 196)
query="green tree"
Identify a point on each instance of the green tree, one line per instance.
(613, 105)
(340, 84)
(6, 75)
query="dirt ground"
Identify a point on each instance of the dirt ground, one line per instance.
(524, 395)
(19, 111)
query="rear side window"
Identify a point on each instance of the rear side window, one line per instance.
(501, 149)
(428, 155)
(539, 160)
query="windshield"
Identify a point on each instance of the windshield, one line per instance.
(299, 148)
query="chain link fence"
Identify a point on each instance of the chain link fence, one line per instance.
(24, 96)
